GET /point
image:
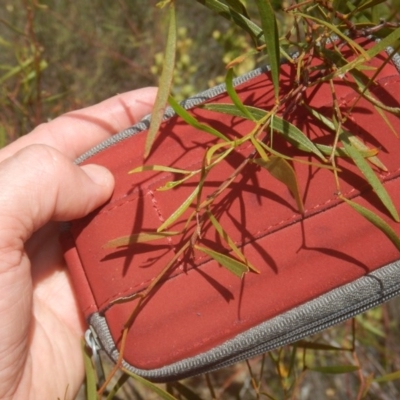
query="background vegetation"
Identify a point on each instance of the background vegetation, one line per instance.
(59, 55)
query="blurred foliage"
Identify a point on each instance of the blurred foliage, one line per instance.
(57, 56)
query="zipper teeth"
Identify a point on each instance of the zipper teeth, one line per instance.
(262, 349)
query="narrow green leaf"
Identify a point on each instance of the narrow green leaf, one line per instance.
(317, 346)
(230, 109)
(368, 326)
(364, 150)
(363, 83)
(224, 235)
(258, 145)
(338, 32)
(271, 36)
(379, 106)
(186, 392)
(295, 136)
(341, 152)
(202, 180)
(372, 52)
(320, 117)
(138, 238)
(31, 75)
(280, 169)
(91, 389)
(298, 160)
(163, 3)
(335, 369)
(165, 82)
(120, 382)
(161, 168)
(179, 211)
(290, 131)
(216, 147)
(192, 121)
(367, 5)
(234, 96)
(388, 377)
(375, 220)
(156, 389)
(171, 184)
(236, 267)
(16, 70)
(237, 6)
(369, 174)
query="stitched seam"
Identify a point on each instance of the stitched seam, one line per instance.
(385, 176)
(155, 205)
(353, 193)
(139, 193)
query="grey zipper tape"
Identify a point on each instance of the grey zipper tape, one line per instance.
(307, 319)
(316, 315)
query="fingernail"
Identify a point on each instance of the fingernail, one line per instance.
(99, 175)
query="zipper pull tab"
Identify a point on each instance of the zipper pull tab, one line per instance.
(93, 343)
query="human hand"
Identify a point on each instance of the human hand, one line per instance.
(41, 326)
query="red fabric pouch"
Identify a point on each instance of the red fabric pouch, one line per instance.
(317, 268)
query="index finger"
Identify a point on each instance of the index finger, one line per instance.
(76, 132)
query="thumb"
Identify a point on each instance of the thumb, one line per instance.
(40, 184)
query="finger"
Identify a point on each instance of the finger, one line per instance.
(40, 184)
(78, 131)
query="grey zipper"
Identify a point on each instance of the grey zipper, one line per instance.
(263, 348)
(309, 318)
(305, 320)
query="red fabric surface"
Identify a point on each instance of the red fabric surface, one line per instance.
(201, 304)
